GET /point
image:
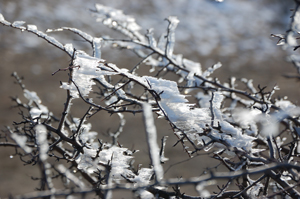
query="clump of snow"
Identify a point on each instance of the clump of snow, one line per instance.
(86, 136)
(247, 119)
(144, 176)
(173, 22)
(115, 158)
(37, 109)
(31, 27)
(1, 17)
(285, 105)
(85, 161)
(119, 163)
(210, 70)
(86, 68)
(32, 97)
(193, 67)
(21, 141)
(115, 19)
(18, 24)
(40, 111)
(193, 120)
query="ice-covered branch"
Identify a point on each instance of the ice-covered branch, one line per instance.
(152, 142)
(33, 29)
(247, 131)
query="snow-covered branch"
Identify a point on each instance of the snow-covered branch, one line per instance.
(241, 126)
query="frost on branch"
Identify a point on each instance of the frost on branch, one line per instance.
(192, 121)
(152, 142)
(21, 141)
(87, 69)
(115, 19)
(248, 132)
(291, 37)
(41, 138)
(37, 109)
(173, 22)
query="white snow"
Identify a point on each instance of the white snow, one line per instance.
(18, 24)
(32, 97)
(194, 120)
(21, 141)
(86, 68)
(37, 109)
(31, 27)
(114, 156)
(1, 17)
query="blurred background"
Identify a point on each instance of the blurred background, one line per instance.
(234, 32)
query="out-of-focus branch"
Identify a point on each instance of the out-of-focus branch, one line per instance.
(152, 142)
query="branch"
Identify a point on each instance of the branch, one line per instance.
(153, 148)
(33, 29)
